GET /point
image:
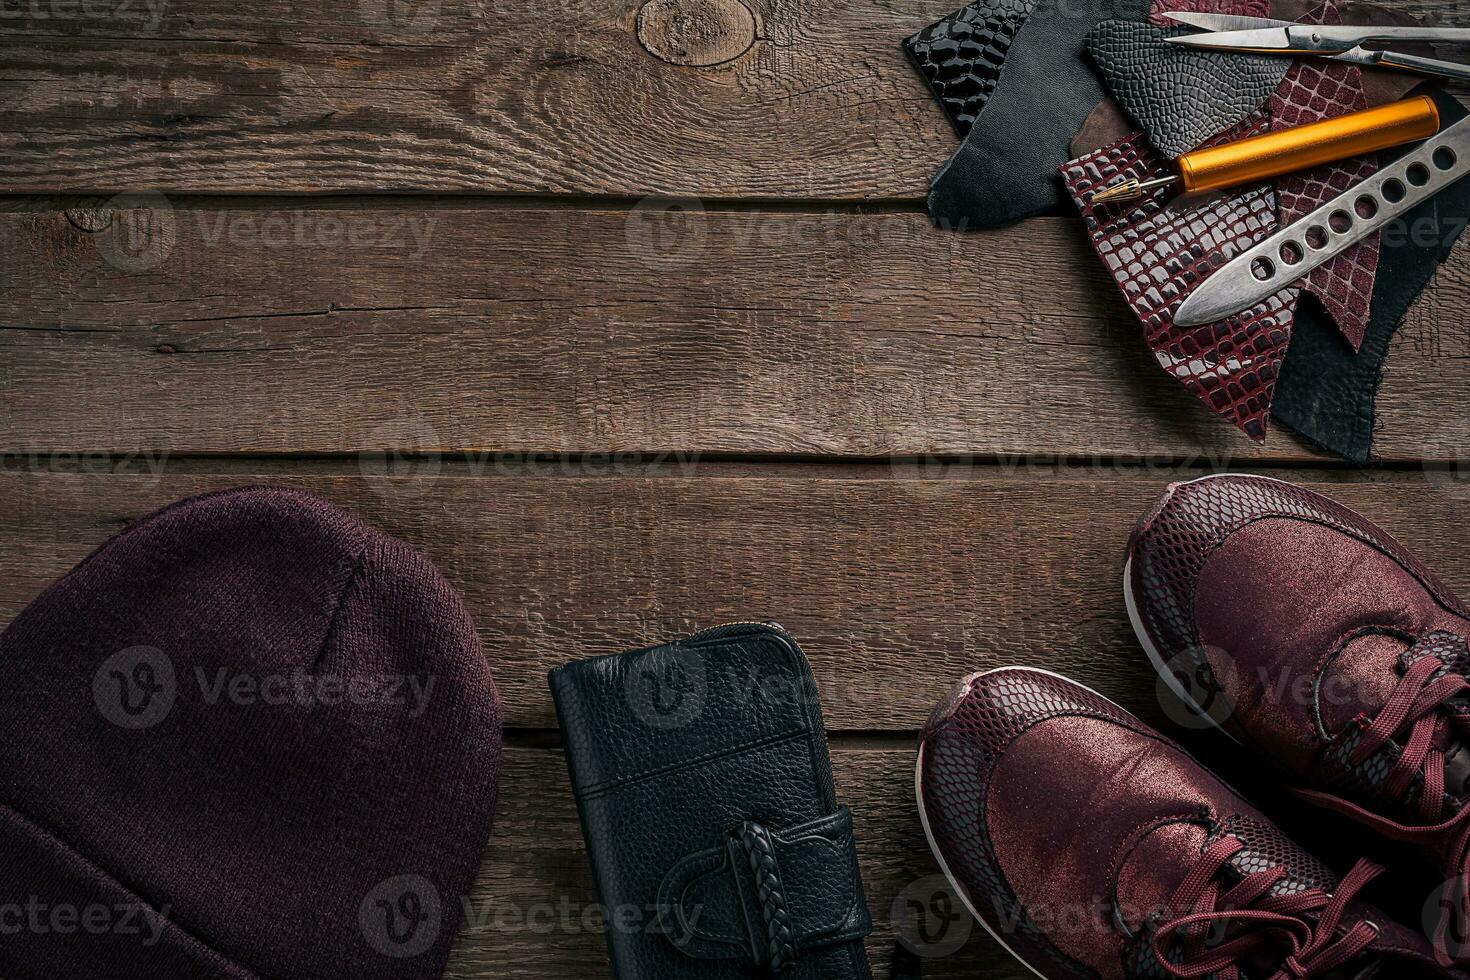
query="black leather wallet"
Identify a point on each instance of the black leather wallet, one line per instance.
(705, 792)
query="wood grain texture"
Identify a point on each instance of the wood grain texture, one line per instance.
(719, 99)
(278, 328)
(534, 913)
(894, 586)
(462, 95)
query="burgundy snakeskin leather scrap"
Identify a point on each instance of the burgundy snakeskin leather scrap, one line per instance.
(1315, 90)
(1159, 251)
(1248, 8)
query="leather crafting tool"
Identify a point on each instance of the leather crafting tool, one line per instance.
(1285, 257)
(1289, 151)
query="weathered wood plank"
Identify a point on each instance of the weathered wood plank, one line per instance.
(283, 329)
(535, 914)
(895, 586)
(714, 98)
(811, 99)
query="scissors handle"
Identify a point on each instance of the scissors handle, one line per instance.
(1314, 37)
(1425, 66)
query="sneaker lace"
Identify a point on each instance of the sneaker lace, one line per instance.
(1416, 708)
(1300, 927)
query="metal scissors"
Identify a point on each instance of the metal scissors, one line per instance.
(1359, 45)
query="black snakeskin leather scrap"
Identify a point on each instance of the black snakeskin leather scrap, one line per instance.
(1006, 169)
(962, 55)
(1159, 252)
(1180, 96)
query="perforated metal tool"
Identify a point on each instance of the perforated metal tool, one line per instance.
(1312, 241)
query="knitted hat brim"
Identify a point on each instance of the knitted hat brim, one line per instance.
(83, 924)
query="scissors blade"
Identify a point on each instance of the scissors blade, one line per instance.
(1260, 39)
(1226, 22)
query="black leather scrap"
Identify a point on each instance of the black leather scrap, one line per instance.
(1180, 96)
(1008, 167)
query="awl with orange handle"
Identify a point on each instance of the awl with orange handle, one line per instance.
(1289, 151)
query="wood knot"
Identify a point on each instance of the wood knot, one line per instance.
(90, 220)
(696, 33)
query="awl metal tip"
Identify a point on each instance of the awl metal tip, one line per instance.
(1127, 190)
(1131, 190)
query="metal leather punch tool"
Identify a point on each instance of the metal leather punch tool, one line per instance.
(1286, 256)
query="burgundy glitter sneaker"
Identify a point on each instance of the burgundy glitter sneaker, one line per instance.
(1318, 641)
(1092, 847)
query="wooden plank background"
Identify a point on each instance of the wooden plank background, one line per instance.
(630, 318)
(896, 583)
(808, 100)
(884, 575)
(461, 328)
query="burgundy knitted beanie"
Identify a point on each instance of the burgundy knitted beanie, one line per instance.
(249, 737)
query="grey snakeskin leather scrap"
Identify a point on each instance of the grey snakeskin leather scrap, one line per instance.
(1181, 97)
(961, 56)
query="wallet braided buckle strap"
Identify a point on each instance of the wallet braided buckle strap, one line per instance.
(760, 851)
(767, 895)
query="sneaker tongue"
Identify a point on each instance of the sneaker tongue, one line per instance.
(1160, 861)
(1457, 770)
(1450, 650)
(1360, 680)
